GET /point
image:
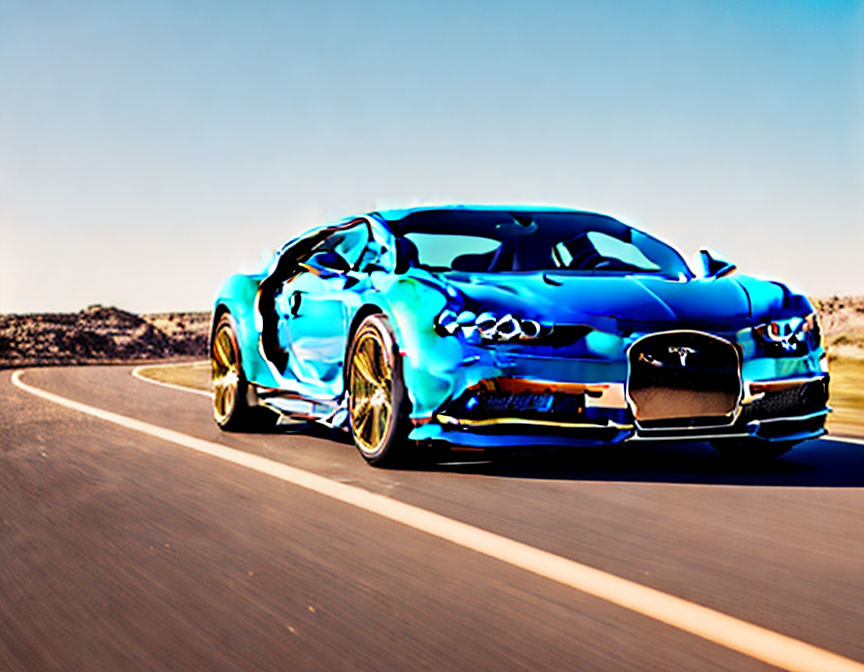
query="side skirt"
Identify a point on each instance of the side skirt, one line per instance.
(292, 407)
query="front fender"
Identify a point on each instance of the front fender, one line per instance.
(432, 366)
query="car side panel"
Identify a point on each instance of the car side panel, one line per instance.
(238, 295)
(315, 334)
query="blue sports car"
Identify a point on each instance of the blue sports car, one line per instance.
(508, 326)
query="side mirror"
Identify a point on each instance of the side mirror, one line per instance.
(714, 267)
(327, 264)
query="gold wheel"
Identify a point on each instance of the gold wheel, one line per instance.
(370, 381)
(225, 363)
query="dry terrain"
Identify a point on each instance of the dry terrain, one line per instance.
(843, 324)
(100, 335)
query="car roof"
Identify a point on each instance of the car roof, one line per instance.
(397, 214)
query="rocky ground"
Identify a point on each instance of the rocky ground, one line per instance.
(843, 325)
(102, 335)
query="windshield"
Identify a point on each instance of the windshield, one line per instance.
(492, 241)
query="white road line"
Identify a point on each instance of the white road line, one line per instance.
(140, 376)
(747, 638)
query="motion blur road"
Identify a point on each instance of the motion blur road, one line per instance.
(123, 551)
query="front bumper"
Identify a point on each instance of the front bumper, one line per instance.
(517, 412)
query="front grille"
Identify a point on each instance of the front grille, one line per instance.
(683, 379)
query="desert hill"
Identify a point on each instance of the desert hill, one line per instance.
(101, 334)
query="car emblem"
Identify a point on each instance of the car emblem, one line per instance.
(682, 352)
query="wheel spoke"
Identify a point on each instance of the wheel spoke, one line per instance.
(230, 393)
(231, 350)
(383, 366)
(383, 416)
(219, 399)
(375, 430)
(375, 356)
(361, 407)
(362, 426)
(364, 369)
(221, 349)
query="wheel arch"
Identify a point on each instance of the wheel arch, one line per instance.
(427, 375)
(362, 313)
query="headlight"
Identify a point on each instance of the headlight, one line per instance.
(489, 326)
(793, 336)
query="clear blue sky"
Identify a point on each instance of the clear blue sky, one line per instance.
(147, 149)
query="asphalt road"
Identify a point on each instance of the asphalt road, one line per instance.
(123, 551)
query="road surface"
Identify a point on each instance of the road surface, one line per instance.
(121, 549)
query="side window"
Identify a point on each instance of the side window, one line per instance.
(347, 243)
(628, 253)
(598, 251)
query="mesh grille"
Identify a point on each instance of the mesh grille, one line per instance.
(800, 400)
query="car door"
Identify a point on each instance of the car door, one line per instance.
(314, 307)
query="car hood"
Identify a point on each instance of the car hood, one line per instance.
(625, 302)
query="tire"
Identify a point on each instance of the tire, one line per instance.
(377, 403)
(230, 405)
(752, 450)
